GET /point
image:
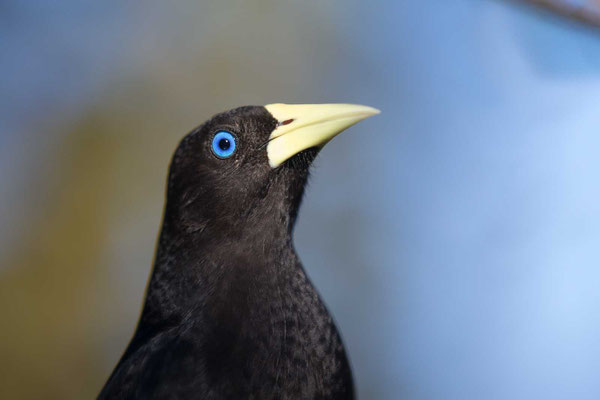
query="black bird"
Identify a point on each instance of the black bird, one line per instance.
(229, 311)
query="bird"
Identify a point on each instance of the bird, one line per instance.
(229, 311)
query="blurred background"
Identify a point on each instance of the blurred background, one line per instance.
(455, 237)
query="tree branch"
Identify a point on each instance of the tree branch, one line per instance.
(579, 15)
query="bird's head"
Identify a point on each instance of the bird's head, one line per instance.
(247, 167)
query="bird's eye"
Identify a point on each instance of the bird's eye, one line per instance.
(223, 144)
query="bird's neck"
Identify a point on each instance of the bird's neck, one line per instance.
(201, 267)
(206, 262)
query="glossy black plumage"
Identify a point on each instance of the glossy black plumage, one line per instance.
(229, 311)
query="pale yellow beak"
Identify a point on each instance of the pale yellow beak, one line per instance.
(302, 126)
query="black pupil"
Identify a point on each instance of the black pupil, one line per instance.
(224, 144)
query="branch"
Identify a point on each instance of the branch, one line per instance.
(566, 11)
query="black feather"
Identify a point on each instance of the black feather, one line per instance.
(229, 311)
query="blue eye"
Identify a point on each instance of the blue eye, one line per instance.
(223, 144)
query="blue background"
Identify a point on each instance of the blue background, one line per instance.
(455, 237)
